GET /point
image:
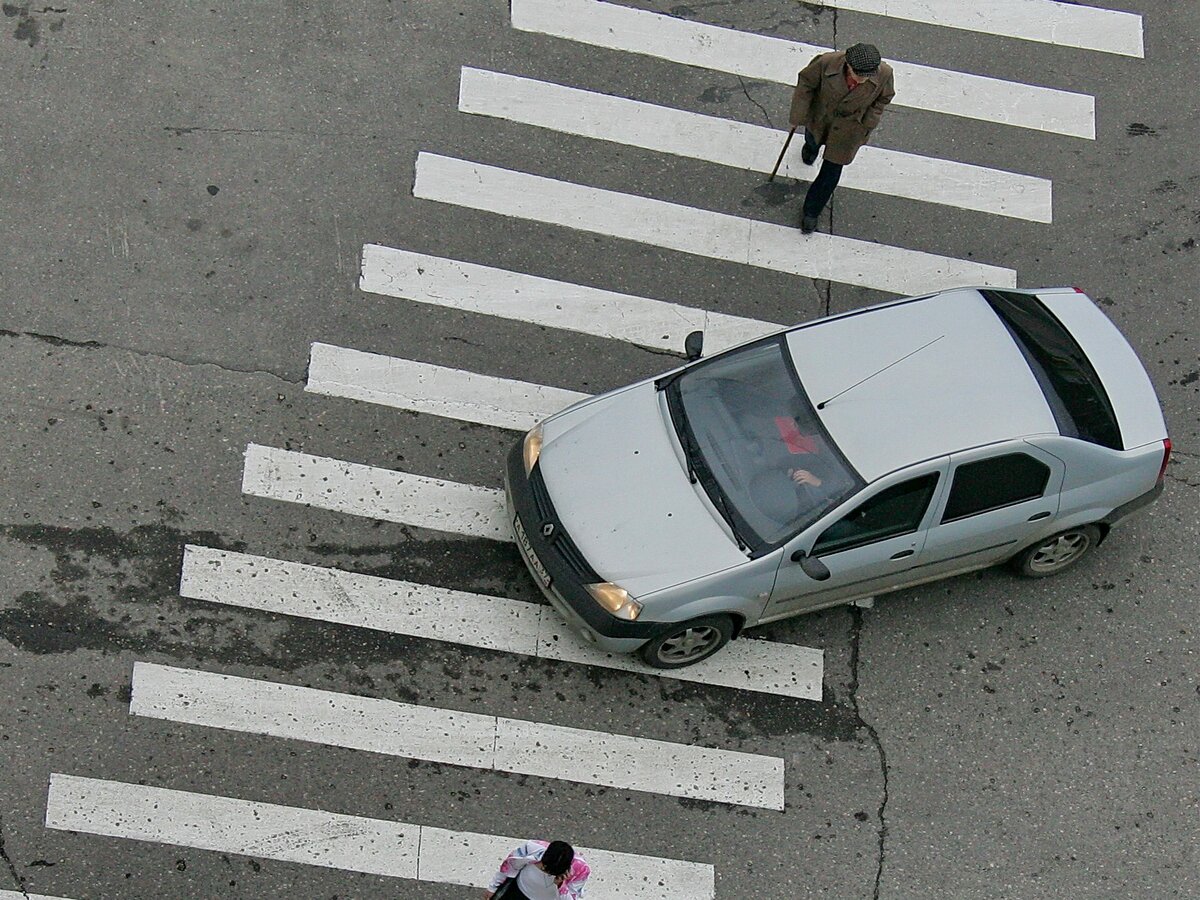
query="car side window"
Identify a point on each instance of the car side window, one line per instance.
(892, 512)
(989, 484)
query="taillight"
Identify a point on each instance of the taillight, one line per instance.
(1162, 470)
(1077, 289)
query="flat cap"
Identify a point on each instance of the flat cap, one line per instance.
(863, 58)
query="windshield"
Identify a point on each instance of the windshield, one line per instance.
(756, 444)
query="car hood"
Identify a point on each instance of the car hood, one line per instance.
(612, 469)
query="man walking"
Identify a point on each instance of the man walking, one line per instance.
(839, 99)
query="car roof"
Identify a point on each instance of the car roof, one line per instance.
(965, 383)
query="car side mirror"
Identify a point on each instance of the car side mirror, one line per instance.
(812, 566)
(693, 346)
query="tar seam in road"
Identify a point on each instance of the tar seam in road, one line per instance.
(8, 862)
(856, 622)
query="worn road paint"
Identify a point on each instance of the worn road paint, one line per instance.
(452, 284)
(758, 56)
(700, 232)
(744, 146)
(456, 738)
(1044, 21)
(472, 620)
(338, 841)
(421, 387)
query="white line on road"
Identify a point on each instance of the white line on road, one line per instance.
(421, 387)
(450, 283)
(617, 27)
(1044, 21)
(20, 895)
(472, 620)
(375, 493)
(701, 232)
(338, 841)
(745, 146)
(456, 738)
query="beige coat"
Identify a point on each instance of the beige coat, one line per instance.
(839, 118)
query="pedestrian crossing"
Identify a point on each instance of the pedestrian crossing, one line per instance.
(455, 737)
(337, 840)
(1046, 21)
(452, 284)
(741, 145)
(486, 622)
(642, 764)
(714, 235)
(436, 390)
(615, 27)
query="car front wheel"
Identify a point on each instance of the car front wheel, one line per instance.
(1056, 553)
(687, 643)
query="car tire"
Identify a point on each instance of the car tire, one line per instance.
(687, 643)
(1056, 553)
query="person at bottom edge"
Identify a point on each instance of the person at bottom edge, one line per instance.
(839, 99)
(540, 870)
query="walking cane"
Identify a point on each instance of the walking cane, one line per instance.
(782, 152)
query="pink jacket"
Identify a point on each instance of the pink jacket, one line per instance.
(531, 852)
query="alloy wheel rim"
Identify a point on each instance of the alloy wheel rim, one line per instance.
(1059, 552)
(689, 644)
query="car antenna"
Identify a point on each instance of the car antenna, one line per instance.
(824, 403)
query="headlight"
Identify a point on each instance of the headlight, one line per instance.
(615, 599)
(532, 448)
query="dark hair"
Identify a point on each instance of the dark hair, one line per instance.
(557, 858)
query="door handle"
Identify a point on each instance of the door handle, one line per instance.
(902, 554)
(1036, 516)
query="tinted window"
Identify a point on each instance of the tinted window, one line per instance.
(993, 483)
(895, 511)
(1073, 390)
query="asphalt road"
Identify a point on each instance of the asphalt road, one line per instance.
(187, 190)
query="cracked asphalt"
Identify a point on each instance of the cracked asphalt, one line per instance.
(187, 189)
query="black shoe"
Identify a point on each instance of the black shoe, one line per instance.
(808, 224)
(808, 154)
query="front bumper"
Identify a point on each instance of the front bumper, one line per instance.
(557, 566)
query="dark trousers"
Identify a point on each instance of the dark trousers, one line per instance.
(822, 187)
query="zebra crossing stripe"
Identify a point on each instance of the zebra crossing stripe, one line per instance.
(615, 27)
(21, 895)
(700, 232)
(375, 493)
(744, 146)
(1044, 21)
(421, 387)
(339, 841)
(472, 620)
(453, 284)
(456, 738)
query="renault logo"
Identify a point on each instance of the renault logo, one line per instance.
(547, 529)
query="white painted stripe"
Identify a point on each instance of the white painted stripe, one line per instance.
(472, 620)
(450, 283)
(18, 895)
(1065, 24)
(701, 232)
(774, 59)
(456, 738)
(421, 387)
(339, 841)
(375, 493)
(746, 146)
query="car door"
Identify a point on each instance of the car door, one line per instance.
(868, 544)
(1000, 499)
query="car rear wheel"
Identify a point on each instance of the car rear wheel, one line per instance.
(1056, 553)
(687, 643)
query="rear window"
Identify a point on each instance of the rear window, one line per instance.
(1073, 390)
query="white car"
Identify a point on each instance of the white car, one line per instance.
(834, 461)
